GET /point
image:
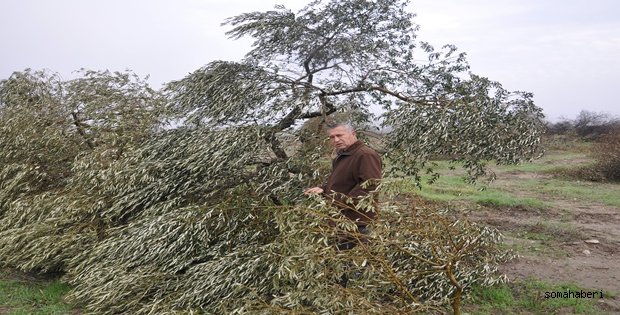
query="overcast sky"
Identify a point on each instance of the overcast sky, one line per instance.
(566, 52)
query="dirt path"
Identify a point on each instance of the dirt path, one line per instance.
(573, 240)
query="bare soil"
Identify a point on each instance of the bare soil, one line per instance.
(573, 241)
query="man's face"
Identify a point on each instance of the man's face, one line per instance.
(341, 137)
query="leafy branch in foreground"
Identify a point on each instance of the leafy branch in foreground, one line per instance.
(261, 258)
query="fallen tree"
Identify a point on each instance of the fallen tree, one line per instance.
(189, 199)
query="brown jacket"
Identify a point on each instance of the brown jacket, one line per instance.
(350, 169)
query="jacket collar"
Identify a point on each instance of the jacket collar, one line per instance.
(352, 148)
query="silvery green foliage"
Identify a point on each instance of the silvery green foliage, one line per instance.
(112, 109)
(252, 257)
(182, 167)
(473, 128)
(353, 55)
(46, 125)
(207, 215)
(37, 147)
(39, 233)
(129, 261)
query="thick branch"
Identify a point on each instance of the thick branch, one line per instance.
(325, 104)
(377, 88)
(276, 146)
(80, 129)
(458, 293)
(392, 93)
(309, 72)
(288, 120)
(315, 51)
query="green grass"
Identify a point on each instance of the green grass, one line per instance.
(454, 188)
(535, 236)
(32, 298)
(536, 186)
(551, 162)
(451, 187)
(572, 190)
(530, 296)
(560, 231)
(546, 164)
(608, 194)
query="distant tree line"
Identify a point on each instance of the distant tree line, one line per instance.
(603, 130)
(587, 125)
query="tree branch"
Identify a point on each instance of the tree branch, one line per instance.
(325, 104)
(289, 119)
(310, 73)
(377, 88)
(80, 129)
(315, 51)
(313, 71)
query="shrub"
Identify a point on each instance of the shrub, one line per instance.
(586, 126)
(562, 127)
(606, 151)
(591, 125)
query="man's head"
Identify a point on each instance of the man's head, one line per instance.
(342, 135)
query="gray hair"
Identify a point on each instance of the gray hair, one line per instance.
(347, 125)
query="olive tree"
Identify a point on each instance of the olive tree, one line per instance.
(362, 57)
(212, 212)
(208, 216)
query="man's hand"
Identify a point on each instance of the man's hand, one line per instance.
(313, 190)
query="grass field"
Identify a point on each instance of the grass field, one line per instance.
(23, 295)
(531, 296)
(546, 218)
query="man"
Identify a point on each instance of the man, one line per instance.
(354, 164)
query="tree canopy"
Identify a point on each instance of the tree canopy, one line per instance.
(189, 199)
(363, 57)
